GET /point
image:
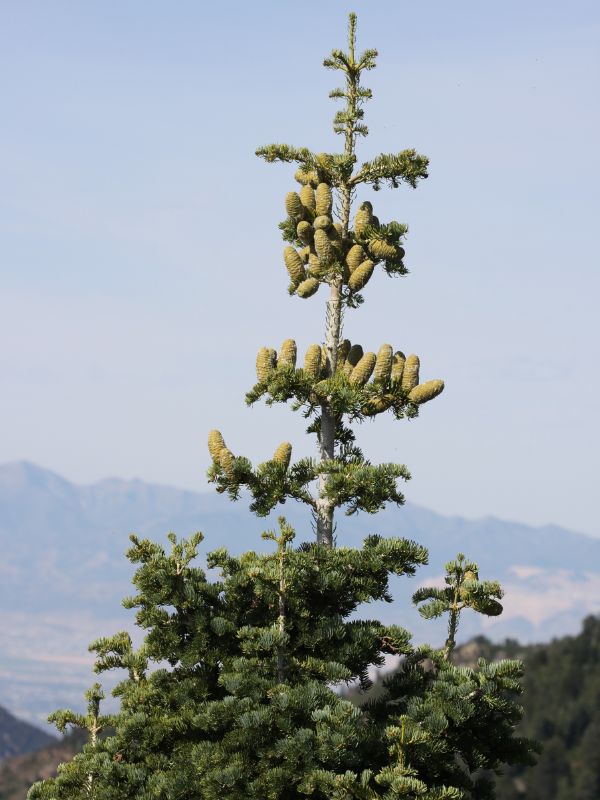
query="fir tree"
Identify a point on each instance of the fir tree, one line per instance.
(233, 691)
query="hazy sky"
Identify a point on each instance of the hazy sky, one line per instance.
(140, 260)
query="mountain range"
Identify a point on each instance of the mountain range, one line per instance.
(63, 572)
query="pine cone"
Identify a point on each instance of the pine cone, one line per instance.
(293, 205)
(323, 222)
(363, 218)
(307, 197)
(315, 268)
(307, 288)
(304, 231)
(312, 361)
(226, 461)
(381, 249)
(355, 257)
(426, 391)
(265, 363)
(215, 444)
(288, 353)
(383, 365)
(398, 367)
(410, 377)
(363, 370)
(283, 454)
(323, 247)
(377, 405)
(304, 254)
(304, 176)
(361, 275)
(324, 200)
(293, 262)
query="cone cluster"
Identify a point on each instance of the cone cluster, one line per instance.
(393, 373)
(322, 249)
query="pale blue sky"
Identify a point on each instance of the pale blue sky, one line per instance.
(140, 261)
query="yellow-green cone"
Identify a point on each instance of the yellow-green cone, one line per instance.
(225, 460)
(293, 262)
(293, 205)
(342, 353)
(381, 249)
(383, 365)
(315, 268)
(265, 363)
(361, 275)
(312, 361)
(288, 353)
(215, 444)
(307, 288)
(305, 176)
(304, 231)
(324, 365)
(337, 227)
(363, 370)
(426, 391)
(410, 377)
(324, 200)
(323, 222)
(307, 197)
(355, 257)
(283, 454)
(377, 405)
(363, 218)
(398, 367)
(323, 246)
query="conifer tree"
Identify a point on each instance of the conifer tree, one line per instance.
(234, 692)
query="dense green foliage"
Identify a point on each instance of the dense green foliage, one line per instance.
(232, 693)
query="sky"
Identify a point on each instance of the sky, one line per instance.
(141, 264)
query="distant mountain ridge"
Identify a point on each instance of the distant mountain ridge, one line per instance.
(63, 572)
(18, 737)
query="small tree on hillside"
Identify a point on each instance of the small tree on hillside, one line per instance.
(233, 691)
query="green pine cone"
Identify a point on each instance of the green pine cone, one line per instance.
(308, 287)
(323, 247)
(489, 607)
(363, 218)
(215, 444)
(306, 177)
(378, 405)
(304, 231)
(426, 391)
(363, 370)
(293, 262)
(315, 268)
(225, 460)
(324, 199)
(323, 222)
(293, 205)
(398, 367)
(265, 363)
(307, 197)
(355, 257)
(383, 365)
(288, 353)
(283, 454)
(410, 377)
(361, 275)
(312, 361)
(381, 249)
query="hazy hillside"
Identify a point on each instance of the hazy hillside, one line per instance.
(17, 737)
(63, 572)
